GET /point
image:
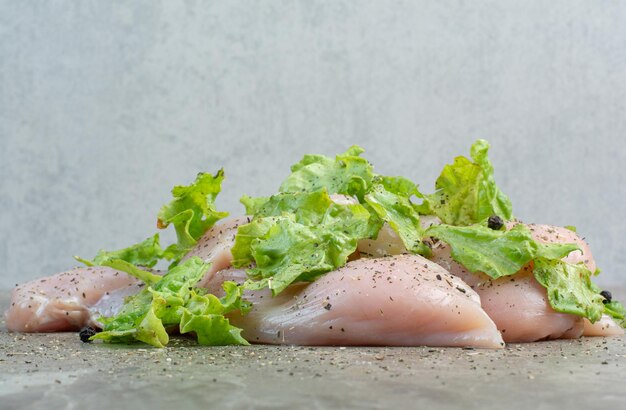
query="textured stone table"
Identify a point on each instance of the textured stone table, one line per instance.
(56, 371)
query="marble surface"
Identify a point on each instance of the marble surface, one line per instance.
(105, 105)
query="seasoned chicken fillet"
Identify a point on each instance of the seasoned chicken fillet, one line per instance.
(64, 301)
(214, 246)
(403, 300)
(518, 304)
(76, 298)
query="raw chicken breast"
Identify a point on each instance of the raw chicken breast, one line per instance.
(73, 299)
(214, 246)
(518, 304)
(557, 234)
(603, 327)
(403, 300)
(63, 301)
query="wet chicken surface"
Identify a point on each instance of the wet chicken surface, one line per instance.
(64, 301)
(405, 300)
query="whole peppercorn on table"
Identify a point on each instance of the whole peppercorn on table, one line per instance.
(58, 371)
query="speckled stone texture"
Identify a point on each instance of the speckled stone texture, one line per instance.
(104, 105)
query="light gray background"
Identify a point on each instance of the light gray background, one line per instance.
(105, 105)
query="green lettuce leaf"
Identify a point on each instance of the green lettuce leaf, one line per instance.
(347, 174)
(285, 250)
(211, 329)
(136, 321)
(123, 266)
(192, 211)
(204, 315)
(301, 233)
(617, 311)
(613, 308)
(466, 192)
(308, 207)
(397, 210)
(146, 315)
(495, 253)
(248, 234)
(401, 186)
(146, 253)
(569, 288)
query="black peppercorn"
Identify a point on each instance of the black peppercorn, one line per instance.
(607, 296)
(495, 222)
(86, 333)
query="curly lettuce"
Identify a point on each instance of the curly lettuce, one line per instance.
(299, 236)
(569, 288)
(396, 208)
(174, 301)
(192, 212)
(466, 191)
(347, 174)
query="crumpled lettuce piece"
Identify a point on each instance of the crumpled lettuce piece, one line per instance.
(146, 315)
(398, 211)
(495, 253)
(292, 238)
(347, 174)
(211, 329)
(613, 308)
(284, 250)
(204, 315)
(309, 207)
(388, 198)
(400, 186)
(466, 192)
(136, 321)
(248, 234)
(192, 211)
(123, 266)
(146, 253)
(569, 288)
(617, 311)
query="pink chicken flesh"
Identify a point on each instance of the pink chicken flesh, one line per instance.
(63, 301)
(214, 246)
(76, 298)
(403, 300)
(519, 305)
